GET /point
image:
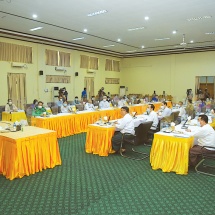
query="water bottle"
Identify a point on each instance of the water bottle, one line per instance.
(14, 126)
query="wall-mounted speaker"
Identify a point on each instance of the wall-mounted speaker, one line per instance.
(76, 73)
(41, 72)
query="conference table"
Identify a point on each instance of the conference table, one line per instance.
(170, 150)
(27, 152)
(13, 116)
(67, 124)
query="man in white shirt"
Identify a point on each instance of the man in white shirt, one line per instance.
(122, 102)
(104, 103)
(182, 112)
(89, 105)
(204, 137)
(152, 116)
(124, 125)
(166, 111)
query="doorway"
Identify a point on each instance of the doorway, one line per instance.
(89, 84)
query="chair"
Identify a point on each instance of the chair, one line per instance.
(151, 134)
(130, 138)
(205, 166)
(55, 110)
(80, 107)
(142, 132)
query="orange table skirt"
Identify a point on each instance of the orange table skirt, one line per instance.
(13, 116)
(171, 154)
(98, 140)
(20, 156)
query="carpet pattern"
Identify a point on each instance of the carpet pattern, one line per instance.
(89, 184)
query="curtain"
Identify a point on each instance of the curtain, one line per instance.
(84, 62)
(116, 66)
(15, 53)
(197, 83)
(51, 57)
(89, 84)
(17, 89)
(108, 65)
(64, 59)
(94, 63)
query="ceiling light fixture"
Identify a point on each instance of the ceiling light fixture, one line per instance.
(191, 41)
(167, 38)
(174, 32)
(135, 29)
(97, 13)
(85, 30)
(198, 18)
(35, 29)
(146, 18)
(34, 16)
(118, 40)
(78, 38)
(132, 51)
(142, 47)
(108, 46)
(210, 33)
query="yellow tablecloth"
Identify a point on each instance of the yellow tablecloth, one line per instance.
(98, 140)
(171, 154)
(13, 116)
(28, 152)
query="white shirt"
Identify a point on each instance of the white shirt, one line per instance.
(166, 112)
(89, 106)
(65, 109)
(154, 118)
(104, 104)
(122, 103)
(126, 124)
(206, 136)
(182, 112)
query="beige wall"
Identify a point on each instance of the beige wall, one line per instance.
(171, 73)
(37, 83)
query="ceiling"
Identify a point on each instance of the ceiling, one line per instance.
(65, 20)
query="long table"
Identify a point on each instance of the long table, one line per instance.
(70, 124)
(28, 152)
(13, 116)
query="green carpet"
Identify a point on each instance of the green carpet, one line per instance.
(89, 184)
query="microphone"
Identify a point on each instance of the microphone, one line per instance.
(183, 126)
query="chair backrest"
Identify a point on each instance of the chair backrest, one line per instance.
(175, 115)
(142, 132)
(55, 110)
(80, 107)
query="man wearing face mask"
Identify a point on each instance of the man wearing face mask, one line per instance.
(122, 102)
(204, 137)
(152, 116)
(39, 110)
(10, 107)
(166, 111)
(182, 112)
(76, 101)
(104, 103)
(65, 108)
(60, 102)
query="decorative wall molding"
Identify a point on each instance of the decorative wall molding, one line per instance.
(57, 79)
(112, 80)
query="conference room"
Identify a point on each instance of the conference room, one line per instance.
(61, 163)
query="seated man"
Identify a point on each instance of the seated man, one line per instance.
(104, 103)
(166, 111)
(204, 137)
(76, 101)
(39, 110)
(182, 112)
(155, 98)
(10, 107)
(65, 108)
(122, 102)
(124, 125)
(89, 105)
(152, 116)
(60, 101)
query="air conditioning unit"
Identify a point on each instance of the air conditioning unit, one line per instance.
(91, 71)
(59, 68)
(19, 65)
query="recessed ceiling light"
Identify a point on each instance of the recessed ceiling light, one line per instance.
(135, 29)
(174, 32)
(78, 38)
(85, 30)
(118, 40)
(146, 18)
(191, 41)
(210, 33)
(34, 16)
(167, 38)
(35, 29)
(97, 13)
(108, 46)
(199, 18)
(142, 47)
